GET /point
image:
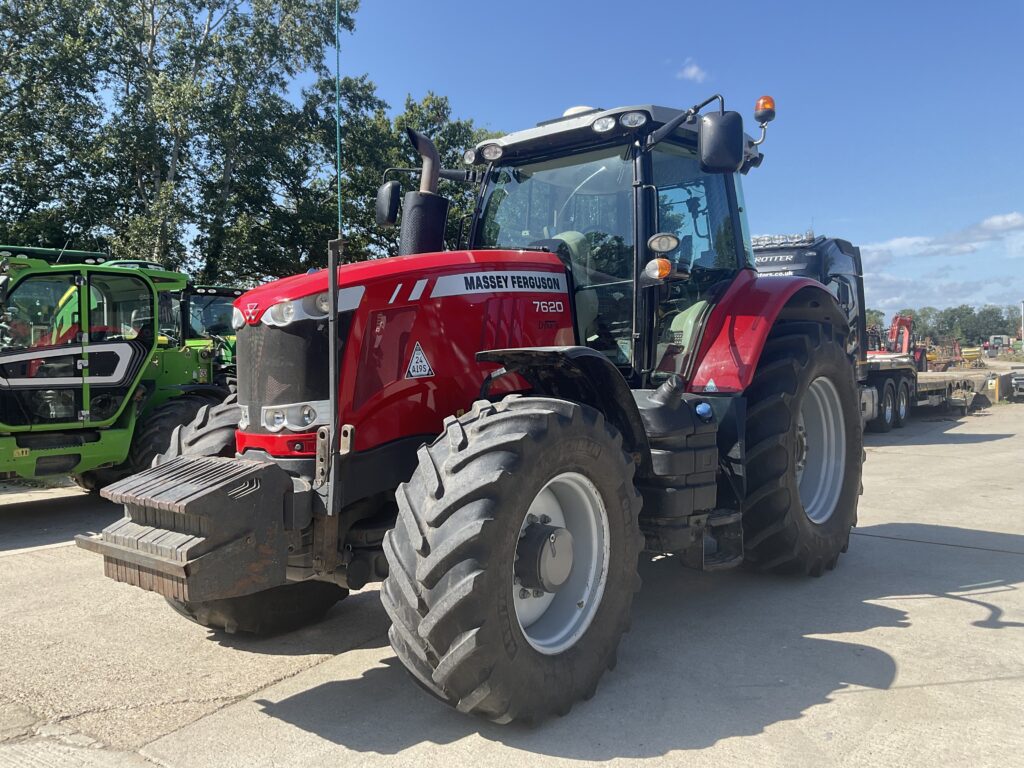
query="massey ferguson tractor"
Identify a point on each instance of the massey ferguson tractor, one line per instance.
(497, 433)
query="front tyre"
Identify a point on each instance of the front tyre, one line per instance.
(273, 611)
(514, 560)
(804, 453)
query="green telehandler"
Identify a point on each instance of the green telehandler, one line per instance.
(100, 360)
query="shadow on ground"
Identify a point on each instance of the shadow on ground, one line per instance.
(357, 621)
(710, 656)
(45, 521)
(931, 426)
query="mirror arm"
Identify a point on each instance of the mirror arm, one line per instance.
(659, 135)
(465, 176)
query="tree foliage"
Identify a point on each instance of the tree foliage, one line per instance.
(965, 323)
(174, 130)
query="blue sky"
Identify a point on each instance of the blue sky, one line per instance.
(900, 125)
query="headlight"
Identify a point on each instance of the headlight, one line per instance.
(492, 152)
(237, 318)
(633, 119)
(273, 419)
(315, 307)
(307, 415)
(603, 124)
(282, 313)
(297, 417)
(243, 419)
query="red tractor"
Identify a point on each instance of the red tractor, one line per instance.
(497, 433)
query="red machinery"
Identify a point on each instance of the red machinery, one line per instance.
(497, 432)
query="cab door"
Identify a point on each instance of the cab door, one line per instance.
(42, 351)
(121, 334)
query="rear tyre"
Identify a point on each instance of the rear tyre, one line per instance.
(153, 436)
(902, 412)
(464, 627)
(886, 417)
(804, 455)
(210, 433)
(272, 611)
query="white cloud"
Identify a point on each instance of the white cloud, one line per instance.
(692, 71)
(886, 291)
(895, 279)
(1001, 227)
(1004, 222)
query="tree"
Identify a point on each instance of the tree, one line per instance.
(988, 321)
(875, 317)
(195, 83)
(51, 64)
(167, 130)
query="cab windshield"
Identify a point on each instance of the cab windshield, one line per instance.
(210, 315)
(586, 206)
(586, 203)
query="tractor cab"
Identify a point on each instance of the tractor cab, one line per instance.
(644, 206)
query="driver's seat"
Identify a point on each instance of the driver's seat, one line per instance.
(586, 301)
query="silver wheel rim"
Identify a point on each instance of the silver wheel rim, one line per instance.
(902, 407)
(888, 409)
(555, 621)
(821, 450)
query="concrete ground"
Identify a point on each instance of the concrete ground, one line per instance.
(910, 653)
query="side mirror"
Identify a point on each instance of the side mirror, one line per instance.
(720, 142)
(388, 197)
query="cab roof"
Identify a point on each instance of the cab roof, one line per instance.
(575, 131)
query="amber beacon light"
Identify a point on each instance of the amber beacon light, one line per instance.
(764, 109)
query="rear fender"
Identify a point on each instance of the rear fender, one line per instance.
(738, 327)
(582, 375)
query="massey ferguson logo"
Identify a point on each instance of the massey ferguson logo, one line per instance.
(250, 310)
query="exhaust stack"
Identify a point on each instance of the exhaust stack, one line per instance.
(424, 213)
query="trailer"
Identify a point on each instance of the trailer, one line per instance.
(892, 371)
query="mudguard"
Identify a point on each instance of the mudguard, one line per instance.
(582, 375)
(739, 324)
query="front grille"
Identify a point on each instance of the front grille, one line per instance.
(279, 366)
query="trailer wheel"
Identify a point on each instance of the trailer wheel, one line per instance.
(272, 611)
(902, 412)
(886, 418)
(514, 560)
(805, 452)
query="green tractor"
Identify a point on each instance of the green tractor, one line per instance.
(101, 360)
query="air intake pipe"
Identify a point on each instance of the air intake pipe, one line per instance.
(424, 213)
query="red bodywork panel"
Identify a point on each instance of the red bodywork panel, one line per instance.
(738, 327)
(450, 305)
